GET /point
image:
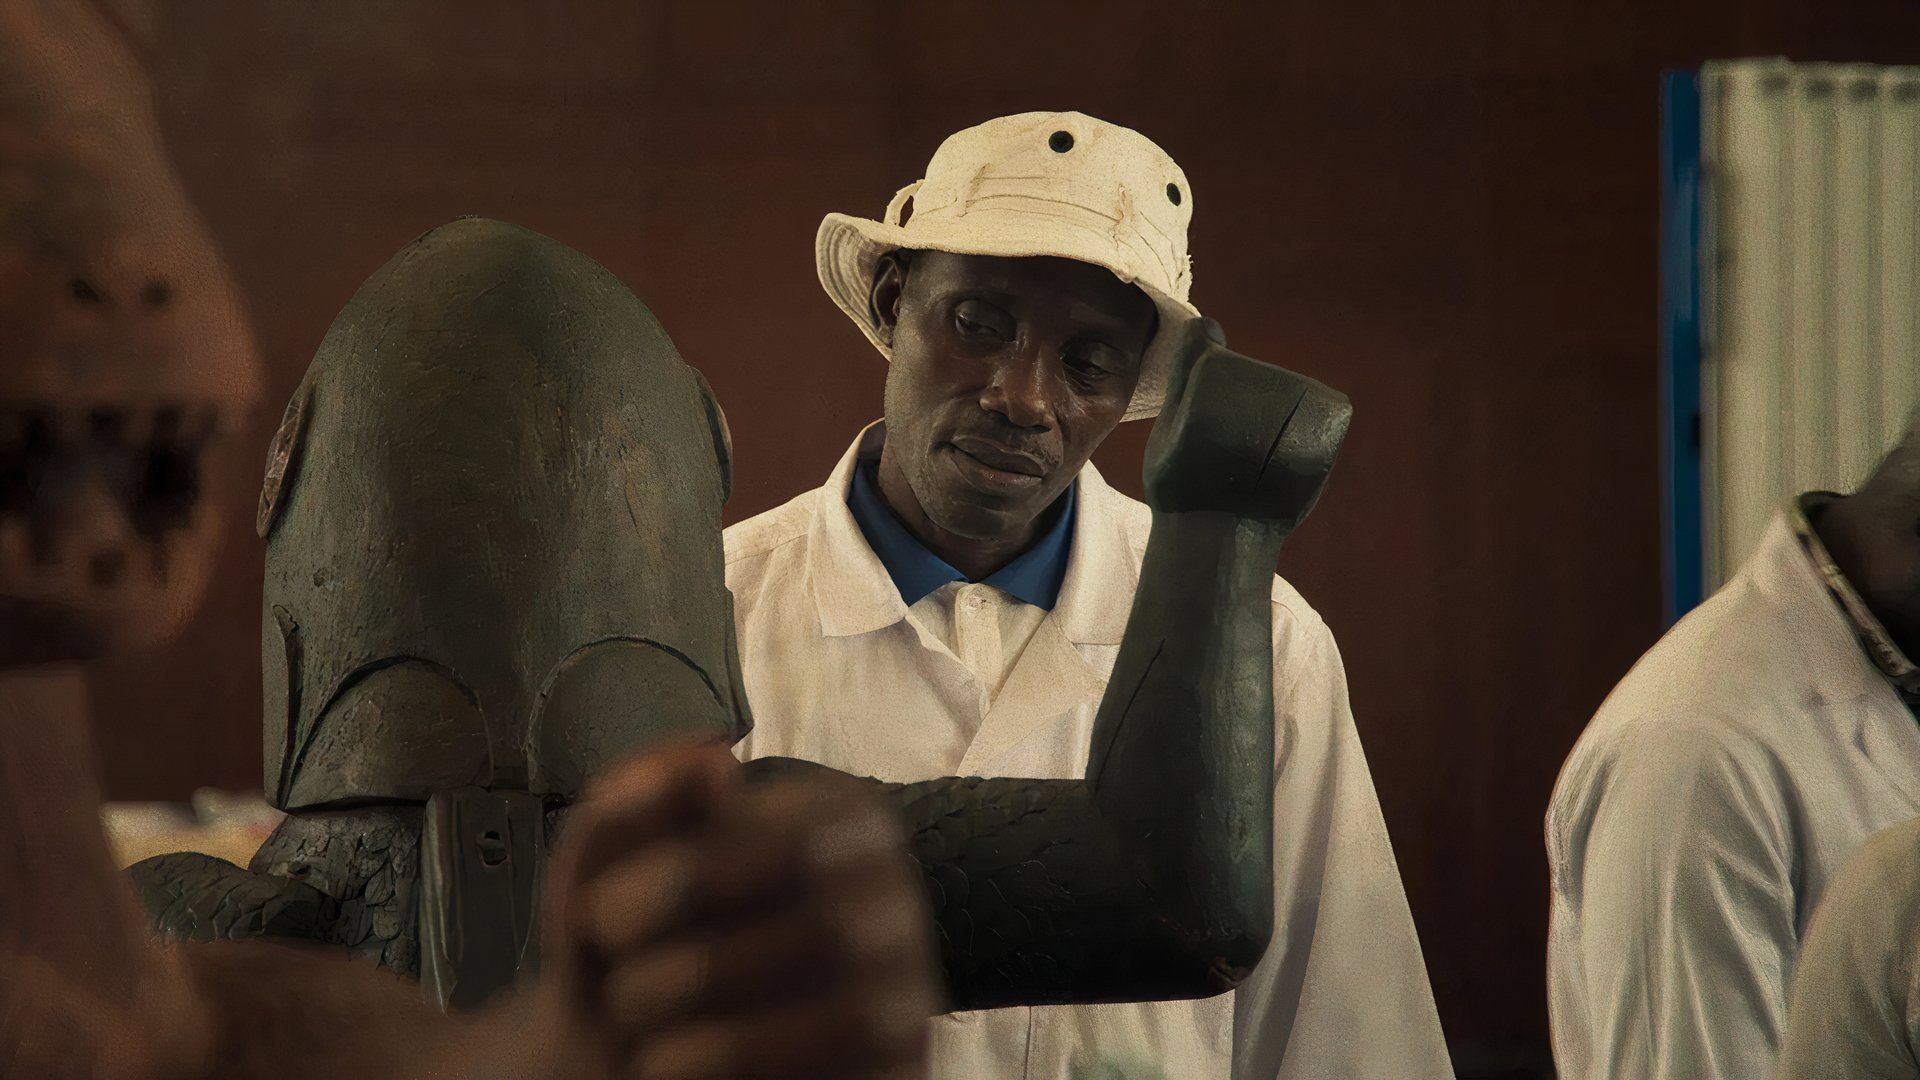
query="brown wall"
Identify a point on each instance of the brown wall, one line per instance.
(1445, 208)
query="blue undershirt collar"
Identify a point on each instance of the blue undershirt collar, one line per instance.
(1033, 577)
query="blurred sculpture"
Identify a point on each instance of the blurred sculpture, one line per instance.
(127, 361)
(494, 562)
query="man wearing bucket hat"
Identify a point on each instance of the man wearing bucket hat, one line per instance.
(952, 599)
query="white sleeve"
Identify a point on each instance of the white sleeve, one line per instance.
(1342, 990)
(1674, 915)
(1853, 1005)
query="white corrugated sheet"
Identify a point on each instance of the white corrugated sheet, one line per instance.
(1810, 239)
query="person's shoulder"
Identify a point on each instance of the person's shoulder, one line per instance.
(1135, 518)
(1713, 717)
(754, 542)
(1729, 669)
(1711, 691)
(1677, 773)
(1669, 743)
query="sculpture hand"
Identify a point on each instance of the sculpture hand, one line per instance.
(1241, 437)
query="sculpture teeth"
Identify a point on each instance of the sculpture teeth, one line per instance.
(148, 456)
(43, 544)
(201, 423)
(15, 551)
(166, 424)
(107, 425)
(13, 434)
(157, 561)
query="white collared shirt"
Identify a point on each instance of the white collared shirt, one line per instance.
(984, 628)
(1700, 817)
(840, 671)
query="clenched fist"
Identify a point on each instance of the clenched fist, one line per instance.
(699, 927)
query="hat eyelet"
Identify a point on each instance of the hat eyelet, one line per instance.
(1173, 194)
(1060, 141)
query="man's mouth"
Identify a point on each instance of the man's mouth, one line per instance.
(1000, 458)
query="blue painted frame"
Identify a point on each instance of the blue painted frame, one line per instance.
(1683, 540)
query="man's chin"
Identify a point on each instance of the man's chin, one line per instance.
(965, 506)
(971, 517)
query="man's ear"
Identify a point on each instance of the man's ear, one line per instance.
(883, 297)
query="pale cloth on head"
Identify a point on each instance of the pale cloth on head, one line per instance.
(1041, 183)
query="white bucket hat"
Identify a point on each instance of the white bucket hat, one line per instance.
(1039, 183)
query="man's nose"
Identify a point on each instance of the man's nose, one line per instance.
(1017, 391)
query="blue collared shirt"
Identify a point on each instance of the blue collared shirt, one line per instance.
(1033, 577)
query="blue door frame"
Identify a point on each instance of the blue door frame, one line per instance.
(1683, 554)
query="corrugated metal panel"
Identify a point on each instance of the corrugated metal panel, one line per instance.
(1809, 257)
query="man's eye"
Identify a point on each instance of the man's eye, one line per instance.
(975, 319)
(1092, 364)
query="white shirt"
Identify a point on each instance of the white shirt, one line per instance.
(839, 671)
(1702, 814)
(984, 628)
(1855, 1007)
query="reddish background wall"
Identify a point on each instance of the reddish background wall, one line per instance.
(1445, 208)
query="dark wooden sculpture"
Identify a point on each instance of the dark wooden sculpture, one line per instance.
(492, 515)
(493, 562)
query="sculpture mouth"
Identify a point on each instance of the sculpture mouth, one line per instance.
(86, 491)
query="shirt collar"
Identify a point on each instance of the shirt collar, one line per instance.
(1034, 577)
(853, 595)
(1879, 645)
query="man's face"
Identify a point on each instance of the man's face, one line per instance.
(1006, 373)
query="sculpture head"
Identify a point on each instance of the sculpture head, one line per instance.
(127, 360)
(492, 515)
